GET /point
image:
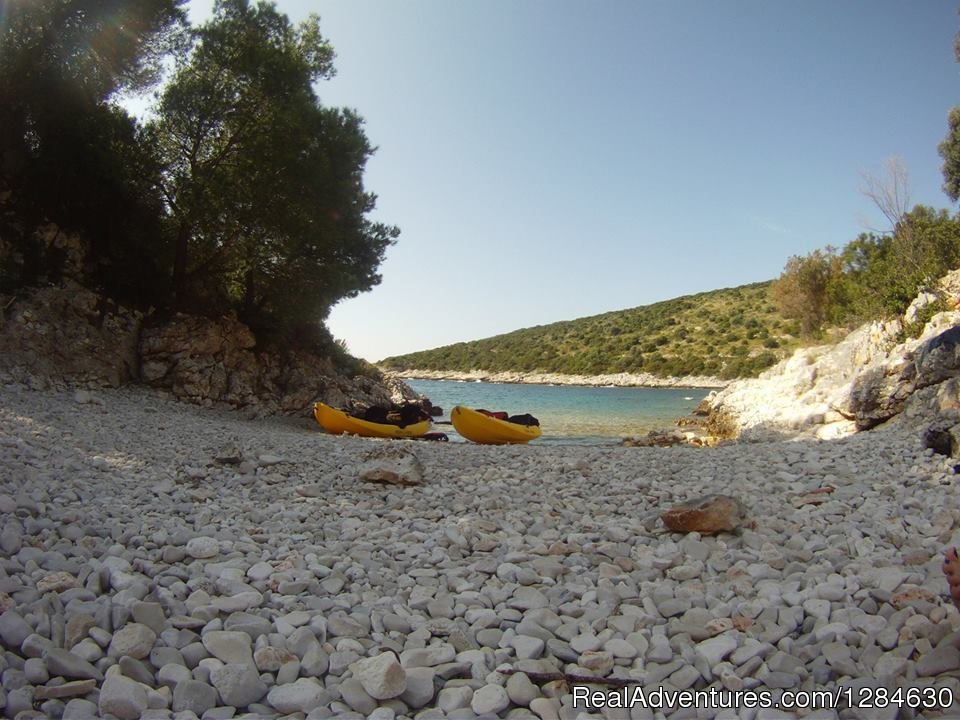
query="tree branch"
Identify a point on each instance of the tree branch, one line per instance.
(571, 678)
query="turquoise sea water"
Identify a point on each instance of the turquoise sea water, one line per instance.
(568, 414)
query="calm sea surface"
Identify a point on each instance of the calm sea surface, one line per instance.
(568, 414)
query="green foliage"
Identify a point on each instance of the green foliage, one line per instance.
(244, 193)
(684, 336)
(263, 185)
(950, 152)
(802, 289)
(67, 155)
(86, 50)
(874, 275)
(950, 147)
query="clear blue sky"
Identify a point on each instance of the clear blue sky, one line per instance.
(551, 159)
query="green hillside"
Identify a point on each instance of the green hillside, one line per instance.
(734, 332)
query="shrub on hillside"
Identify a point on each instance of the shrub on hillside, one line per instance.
(872, 276)
(802, 289)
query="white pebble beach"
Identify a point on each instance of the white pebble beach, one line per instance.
(163, 560)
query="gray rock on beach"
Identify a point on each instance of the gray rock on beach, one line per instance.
(123, 698)
(230, 646)
(14, 629)
(69, 665)
(193, 696)
(490, 699)
(203, 548)
(303, 695)
(134, 640)
(713, 650)
(420, 687)
(382, 676)
(238, 685)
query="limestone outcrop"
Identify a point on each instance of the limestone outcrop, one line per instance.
(71, 332)
(68, 330)
(871, 376)
(200, 359)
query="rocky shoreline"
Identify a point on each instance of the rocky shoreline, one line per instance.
(610, 380)
(165, 560)
(874, 374)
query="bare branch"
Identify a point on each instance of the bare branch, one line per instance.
(889, 191)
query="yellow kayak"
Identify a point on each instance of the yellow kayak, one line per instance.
(338, 422)
(488, 430)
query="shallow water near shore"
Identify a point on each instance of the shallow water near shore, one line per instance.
(569, 414)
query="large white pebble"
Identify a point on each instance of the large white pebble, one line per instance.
(230, 646)
(202, 548)
(301, 696)
(382, 676)
(490, 699)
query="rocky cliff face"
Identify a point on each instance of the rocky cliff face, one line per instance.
(868, 378)
(69, 331)
(72, 332)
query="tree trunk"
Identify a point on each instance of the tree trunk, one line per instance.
(180, 266)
